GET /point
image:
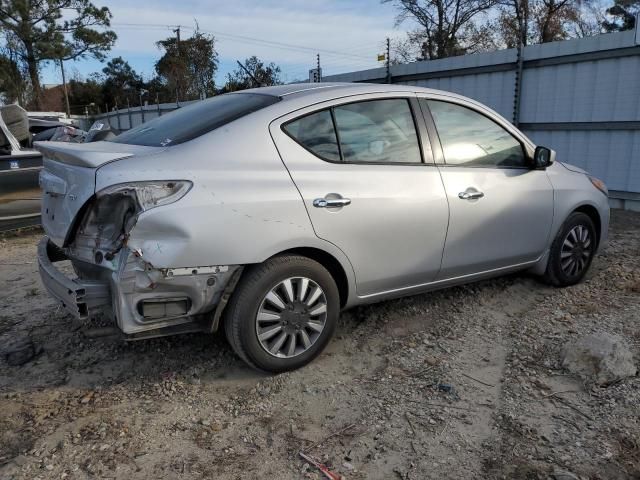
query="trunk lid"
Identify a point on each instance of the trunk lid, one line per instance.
(68, 179)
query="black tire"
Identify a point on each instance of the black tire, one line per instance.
(555, 274)
(241, 312)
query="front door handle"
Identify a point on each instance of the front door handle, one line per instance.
(331, 202)
(470, 195)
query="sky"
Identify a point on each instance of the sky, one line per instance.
(348, 34)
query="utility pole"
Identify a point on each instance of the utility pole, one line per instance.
(177, 32)
(388, 60)
(318, 67)
(64, 87)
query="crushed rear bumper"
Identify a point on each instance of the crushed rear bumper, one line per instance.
(79, 297)
(139, 298)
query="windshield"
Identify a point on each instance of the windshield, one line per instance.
(190, 122)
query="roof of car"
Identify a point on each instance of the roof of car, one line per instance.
(332, 89)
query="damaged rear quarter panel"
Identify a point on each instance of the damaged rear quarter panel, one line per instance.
(243, 206)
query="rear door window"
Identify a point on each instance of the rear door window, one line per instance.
(316, 133)
(371, 131)
(195, 120)
(377, 131)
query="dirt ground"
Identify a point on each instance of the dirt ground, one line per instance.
(461, 383)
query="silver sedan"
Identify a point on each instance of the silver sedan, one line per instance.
(269, 211)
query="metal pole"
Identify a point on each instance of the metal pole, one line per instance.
(318, 68)
(141, 108)
(129, 113)
(518, 86)
(177, 32)
(388, 60)
(118, 114)
(64, 87)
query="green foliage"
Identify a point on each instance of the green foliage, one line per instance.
(121, 83)
(188, 68)
(11, 83)
(264, 75)
(55, 30)
(624, 13)
(86, 95)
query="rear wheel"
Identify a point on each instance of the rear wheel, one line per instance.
(283, 313)
(572, 251)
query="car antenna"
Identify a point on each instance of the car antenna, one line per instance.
(250, 74)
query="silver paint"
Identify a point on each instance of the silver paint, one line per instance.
(394, 229)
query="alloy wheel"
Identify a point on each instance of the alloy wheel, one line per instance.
(291, 317)
(576, 250)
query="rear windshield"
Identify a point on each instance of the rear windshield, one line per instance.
(192, 121)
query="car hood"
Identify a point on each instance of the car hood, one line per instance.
(573, 168)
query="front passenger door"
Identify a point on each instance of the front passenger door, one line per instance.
(501, 210)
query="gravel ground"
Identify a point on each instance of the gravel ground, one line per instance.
(461, 383)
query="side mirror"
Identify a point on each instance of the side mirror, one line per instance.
(543, 158)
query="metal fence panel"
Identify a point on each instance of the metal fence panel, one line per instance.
(580, 97)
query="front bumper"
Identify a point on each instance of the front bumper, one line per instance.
(127, 288)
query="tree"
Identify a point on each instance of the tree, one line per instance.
(159, 91)
(589, 21)
(261, 75)
(44, 33)
(10, 80)
(542, 21)
(86, 96)
(551, 18)
(13, 87)
(120, 82)
(513, 22)
(444, 24)
(624, 13)
(188, 68)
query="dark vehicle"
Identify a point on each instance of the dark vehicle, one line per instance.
(20, 165)
(19, 170)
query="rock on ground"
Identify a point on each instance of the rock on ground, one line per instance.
(601, 357)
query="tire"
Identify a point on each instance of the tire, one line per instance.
(568, 250)
(244, 328)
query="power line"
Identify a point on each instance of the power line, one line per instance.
(244, 38)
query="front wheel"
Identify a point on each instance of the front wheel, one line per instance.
(283, 313)
(572, 251)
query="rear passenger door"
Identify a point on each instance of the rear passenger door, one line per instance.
(366, 174)
(501, 209)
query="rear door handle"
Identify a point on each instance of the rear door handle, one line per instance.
(470, 195)
(331, 202)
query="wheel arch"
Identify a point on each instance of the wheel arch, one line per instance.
(594, 215)
(588, 209)
(328, 261)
